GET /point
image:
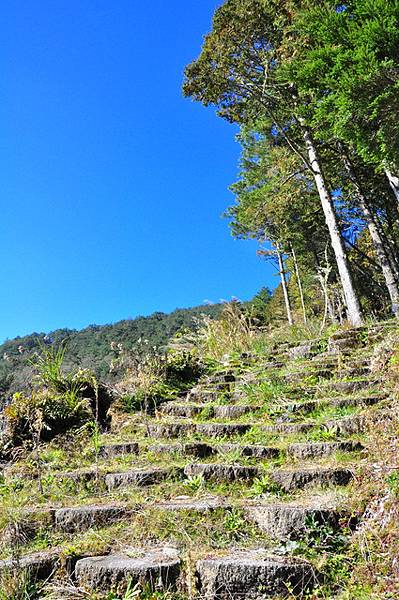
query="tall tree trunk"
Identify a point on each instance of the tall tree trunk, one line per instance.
(298, 278)
(284, 283)
(382, 256)
(393, 182)
(352, 302)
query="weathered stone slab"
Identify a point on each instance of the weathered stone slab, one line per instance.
(111, 450)
(40, 565)
(169, 430)
(289, 521)
(347, 426)
(158, 569)
(186, 503)
(183, 410)
(287, 428)
(79, 476)
(295, 480)
(362, 401)
(214, 430)
(254, 451)
(348, 387)
(139, 477)
(198, 449)
(253, 575)
(218, 472)
(233, 411)
(304, 451)
(83, 517)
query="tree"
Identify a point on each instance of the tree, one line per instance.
(239, 71)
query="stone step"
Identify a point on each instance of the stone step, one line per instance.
(291, 480)
(349, 387)
(250, 451)
(138, 477)
(304, 451)
(197, 449)
(40, 566)
(291, 520)
(80, 518)
(170, 430)
(350, 425)
(201, 450)
(111, 450)
(158, 568)
(211, 430)
(221, 472)
(253, 575)
(225, 411)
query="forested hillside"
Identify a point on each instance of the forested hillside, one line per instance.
(98, 345)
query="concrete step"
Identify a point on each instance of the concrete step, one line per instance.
(304, 451)
(253, 575)
(220, 472)
(292, 480)
(158, 568)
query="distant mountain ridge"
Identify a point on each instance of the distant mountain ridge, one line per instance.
(91, 347)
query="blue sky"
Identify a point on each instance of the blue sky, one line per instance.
(113, 184)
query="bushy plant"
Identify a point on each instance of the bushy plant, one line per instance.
(228, 336)
(158, 377)
(57, 402)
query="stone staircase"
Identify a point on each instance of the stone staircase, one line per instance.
(205, 497)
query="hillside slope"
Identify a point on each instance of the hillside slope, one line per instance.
(91, 347)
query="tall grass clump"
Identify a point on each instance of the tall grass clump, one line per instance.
(229, 336)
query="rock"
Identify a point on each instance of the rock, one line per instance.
(111, 450)
(218, 472)
(318, 449)
(40, 566)
(158, 568)
(253, 575)
(139, 477)
(289, 521)
(83, 517)
(290, 481)
(215, 430)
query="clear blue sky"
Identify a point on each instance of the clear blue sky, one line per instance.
(113, 185)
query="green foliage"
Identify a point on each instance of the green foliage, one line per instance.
(264, 485)
(58, 402)
(97, 347)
